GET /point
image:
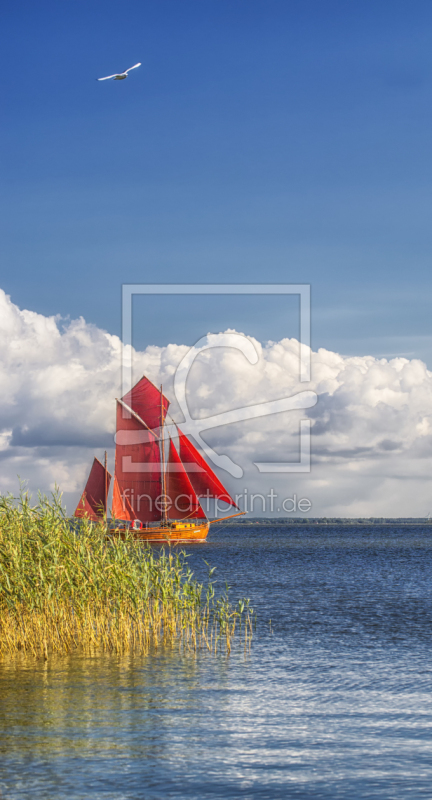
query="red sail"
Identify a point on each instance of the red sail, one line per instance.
(121, 508)
(93, 498)
(138, 469)
(203, 479)
(148, 402)
(181, 496)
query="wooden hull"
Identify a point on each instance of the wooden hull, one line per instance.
(175, 535)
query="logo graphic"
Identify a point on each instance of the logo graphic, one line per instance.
(195, 427)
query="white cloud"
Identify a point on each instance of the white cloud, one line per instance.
(372, 425)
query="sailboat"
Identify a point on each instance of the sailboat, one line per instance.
(155, 494)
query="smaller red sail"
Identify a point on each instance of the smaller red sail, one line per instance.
(93, 499)
(121, 507)
(203, 479)
(182, 500)
(148, 402)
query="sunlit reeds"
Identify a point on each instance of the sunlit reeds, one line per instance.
(64, 587)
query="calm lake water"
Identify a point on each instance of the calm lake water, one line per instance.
(334, 700)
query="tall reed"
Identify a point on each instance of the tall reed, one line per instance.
(65, 586)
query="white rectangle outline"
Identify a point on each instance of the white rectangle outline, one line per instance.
(303, 290)
(131, 289)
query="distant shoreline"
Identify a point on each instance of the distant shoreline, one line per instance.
(330, 521)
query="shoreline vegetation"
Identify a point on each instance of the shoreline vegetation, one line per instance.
(66, 587)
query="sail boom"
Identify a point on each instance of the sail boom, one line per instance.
(137, 416)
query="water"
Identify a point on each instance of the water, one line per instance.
(334, 700)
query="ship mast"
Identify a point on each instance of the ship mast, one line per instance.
(164, 510)
(106, 485)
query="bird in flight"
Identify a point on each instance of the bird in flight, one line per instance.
(120, 76)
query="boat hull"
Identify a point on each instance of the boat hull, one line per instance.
(177, 535)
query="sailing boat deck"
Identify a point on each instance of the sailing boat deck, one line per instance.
(154, 497)
(175, 533)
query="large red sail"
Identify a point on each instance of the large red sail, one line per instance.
(203, 479)
(182, 500)
(138, 468)
(93, 499)
(148, 402)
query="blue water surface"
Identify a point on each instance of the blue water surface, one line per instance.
(333, 700)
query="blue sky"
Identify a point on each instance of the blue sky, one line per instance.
(259, 142)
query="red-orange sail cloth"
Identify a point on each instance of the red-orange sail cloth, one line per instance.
(138, 468)
(182, 500)
(148, 402)
(93, 499)
(204, 480)
(121, 507)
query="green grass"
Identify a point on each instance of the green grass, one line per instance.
(65, 587)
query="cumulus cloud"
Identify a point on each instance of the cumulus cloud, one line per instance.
(371, 426)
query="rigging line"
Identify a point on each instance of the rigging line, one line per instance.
(106, 484)
(172, 420)
(194, 512)
(221, 519)
(164, 512)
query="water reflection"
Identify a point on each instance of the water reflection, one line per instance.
(56, 706)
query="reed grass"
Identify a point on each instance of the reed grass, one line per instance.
(65, 587)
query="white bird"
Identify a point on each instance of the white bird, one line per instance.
(120, 76)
